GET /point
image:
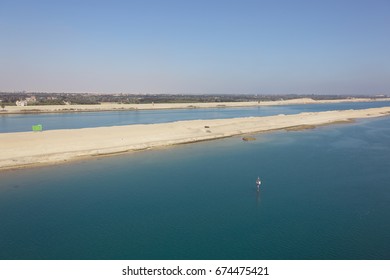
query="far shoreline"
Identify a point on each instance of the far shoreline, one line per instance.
(109, 107)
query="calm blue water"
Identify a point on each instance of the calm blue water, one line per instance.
(23, 122)
(325, 195)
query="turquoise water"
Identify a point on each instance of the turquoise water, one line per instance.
(23, 122)
(325, 195)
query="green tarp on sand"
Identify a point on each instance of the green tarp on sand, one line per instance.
(37, 127)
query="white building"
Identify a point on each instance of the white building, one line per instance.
(21, 103)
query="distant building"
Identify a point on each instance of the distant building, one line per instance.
(21, 103)
(25, 102)
(31, 99)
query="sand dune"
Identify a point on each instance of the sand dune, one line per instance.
(31, 148)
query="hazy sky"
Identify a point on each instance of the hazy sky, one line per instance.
(266, 47)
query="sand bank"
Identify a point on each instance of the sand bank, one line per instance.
(23, 149)
(161, 106)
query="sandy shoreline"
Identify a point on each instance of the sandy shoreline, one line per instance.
(162, 106)
(23, 149)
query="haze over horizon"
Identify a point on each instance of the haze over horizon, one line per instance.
(225, 47)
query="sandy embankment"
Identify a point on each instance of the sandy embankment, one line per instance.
(159, 106)
(31, 148)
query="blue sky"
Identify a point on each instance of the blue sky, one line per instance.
(241, 46)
